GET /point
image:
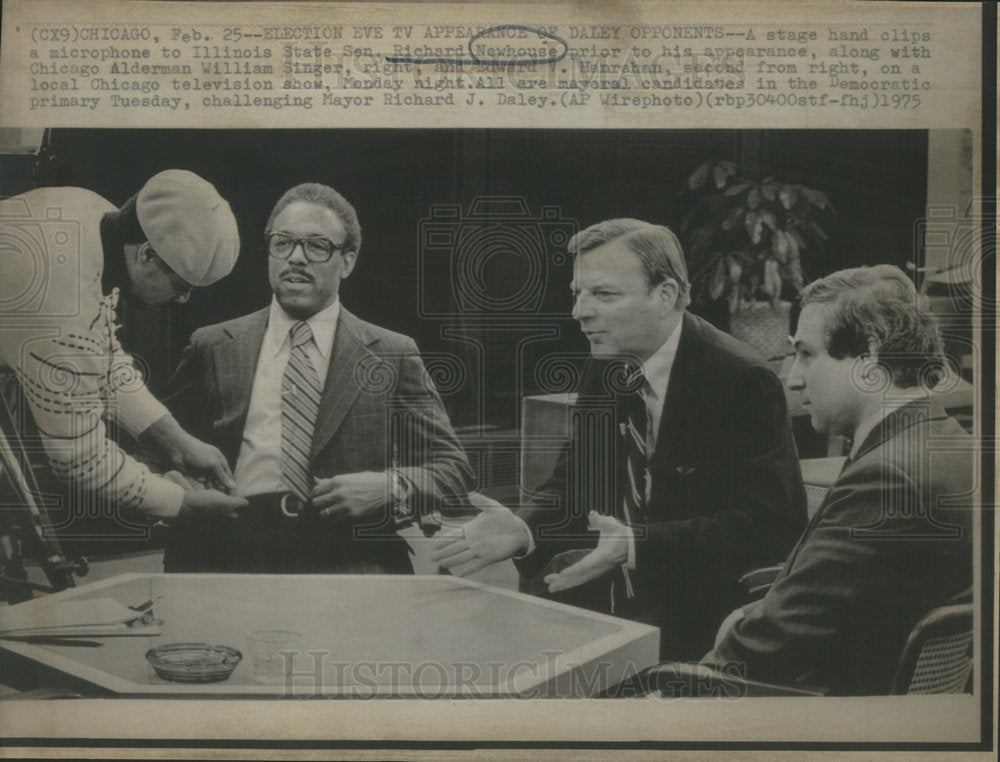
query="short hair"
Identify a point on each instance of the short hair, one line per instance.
(322, 195)
(656, 246)
(879, 307)
(128, 222)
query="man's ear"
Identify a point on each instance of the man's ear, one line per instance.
(141, 253)
(669, 291)
(350, 259)
(875, 376)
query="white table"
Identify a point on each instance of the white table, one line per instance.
(423, 636)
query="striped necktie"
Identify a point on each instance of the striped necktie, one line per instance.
(300, 394)
(634, 433)
(633, 505)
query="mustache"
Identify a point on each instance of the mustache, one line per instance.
(295, 271)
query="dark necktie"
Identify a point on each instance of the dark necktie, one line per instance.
(633, 506)
(300, 394)
(634, 434)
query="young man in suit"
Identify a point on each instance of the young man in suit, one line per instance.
(892, 538)
(332, 424)
(681, 473)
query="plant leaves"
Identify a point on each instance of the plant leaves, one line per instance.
(699, 176)
(771, 284)
(753, 226)
(770, 190)
(817, 230)
(734, 301)
(729, 166)
(769, 219)
(732, 218)
(797, 241)
(732, 190)
(793, 245)
(720, 175)
(717, 283)
(753, 198)
(795, 275)
(734, 268)
(789, 196)
(817, 198)
(779, 246)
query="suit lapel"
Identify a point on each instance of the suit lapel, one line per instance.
(898, 420)
(677, 405)
(236, 366)
(341, 388)
(908, 415)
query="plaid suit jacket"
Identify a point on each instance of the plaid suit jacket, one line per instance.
(379, 409)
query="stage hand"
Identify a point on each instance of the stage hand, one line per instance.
(611, 553)
(494, 535)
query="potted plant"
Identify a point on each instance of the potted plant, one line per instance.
(750, 247)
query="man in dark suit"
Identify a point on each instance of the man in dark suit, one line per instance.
(332, 425)
(892, 539)
(681, 459)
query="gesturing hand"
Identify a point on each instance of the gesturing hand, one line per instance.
(611, 552)
(494, 535)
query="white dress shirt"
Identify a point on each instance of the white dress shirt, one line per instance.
(654, 392)
(258, 467)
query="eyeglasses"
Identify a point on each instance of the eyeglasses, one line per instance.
(281, 246)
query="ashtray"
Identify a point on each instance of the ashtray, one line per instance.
(193, 662)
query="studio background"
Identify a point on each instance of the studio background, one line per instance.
(410, 187)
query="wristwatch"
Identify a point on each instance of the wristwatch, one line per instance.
(402, 511)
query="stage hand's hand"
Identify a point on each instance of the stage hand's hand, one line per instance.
(352, 496)
(494, 535)
(186, 482)
(210, 502)
(189, 454)
(611, 553)
(201, 459)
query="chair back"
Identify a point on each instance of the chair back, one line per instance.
(937, 657)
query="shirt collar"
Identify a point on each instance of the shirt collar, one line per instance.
(657, 368)
(892, 402)
(323, 325)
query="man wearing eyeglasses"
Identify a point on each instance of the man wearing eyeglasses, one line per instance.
(334, 429)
